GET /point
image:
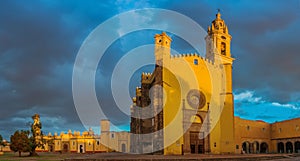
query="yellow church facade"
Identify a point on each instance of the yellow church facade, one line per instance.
(191, 99)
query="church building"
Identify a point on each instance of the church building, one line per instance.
(186, 104)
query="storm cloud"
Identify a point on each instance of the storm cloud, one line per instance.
(39, 41)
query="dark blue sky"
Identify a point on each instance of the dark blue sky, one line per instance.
(39, 41)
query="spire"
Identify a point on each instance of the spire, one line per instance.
(218, 15)
(218, 25)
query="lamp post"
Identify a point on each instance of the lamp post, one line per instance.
(208, 128)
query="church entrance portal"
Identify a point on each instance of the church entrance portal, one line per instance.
(197, 144)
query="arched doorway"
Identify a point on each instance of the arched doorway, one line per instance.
(246, 147)
(65, 148)
(50, 147)
(123, 148)
(289, 147)
(263, 147)
(255, 147)
(280, 147)
(197, 142)
(81, 149)
(297, 147)
(196, 137)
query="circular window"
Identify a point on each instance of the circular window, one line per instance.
(196, 99)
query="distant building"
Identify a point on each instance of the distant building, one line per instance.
(88, 141)
(6, 147)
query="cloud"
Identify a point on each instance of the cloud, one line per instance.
(247, 96)
(249, 105)
(294, 107)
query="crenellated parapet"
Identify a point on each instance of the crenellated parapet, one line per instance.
(194, 56)
(146, 77)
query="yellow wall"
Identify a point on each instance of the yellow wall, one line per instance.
(286, 129)
(262, 132)
(251, 131)
(180, 75)
(286, 132)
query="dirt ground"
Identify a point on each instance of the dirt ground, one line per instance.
(120, 156)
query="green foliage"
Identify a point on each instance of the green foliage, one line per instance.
(1, 141)
(24, 141)
(20, 142)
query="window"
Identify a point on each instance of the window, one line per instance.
(196, 119)
(263, 129)
(196, 61)
(279, 130)
(73, 142)
(237, 146)
(112, 135)
(297, 128)
(223, 48)
(152, 121)
(248, 127)
(98, 142)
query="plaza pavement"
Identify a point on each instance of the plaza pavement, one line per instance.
(191, 157)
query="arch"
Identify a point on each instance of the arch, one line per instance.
(246, 147)
(123, 148)
(50, 147)
(255, 147)
(81, 149)
(280, 147)
(196, 119)
(297, 147)
(264, 147)
(289, 147)
(65, 148)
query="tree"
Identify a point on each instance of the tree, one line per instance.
(24, 141)
(20, 142)
(1, 142)
(36, 139)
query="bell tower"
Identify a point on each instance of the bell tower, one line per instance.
(218, 40)
(162, 47)
(218, 50)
